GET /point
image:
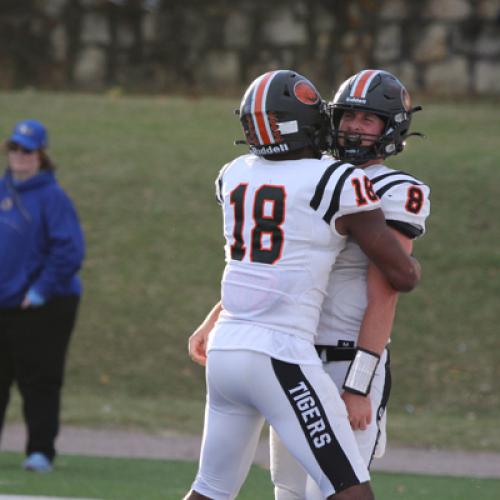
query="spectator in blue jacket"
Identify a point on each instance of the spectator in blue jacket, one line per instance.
(41, 252)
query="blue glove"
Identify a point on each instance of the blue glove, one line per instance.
(35, 299)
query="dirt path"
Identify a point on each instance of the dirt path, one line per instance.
(167, 445)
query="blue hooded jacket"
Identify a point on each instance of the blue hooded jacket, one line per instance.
(41, 241)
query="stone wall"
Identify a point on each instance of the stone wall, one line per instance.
(437, 46)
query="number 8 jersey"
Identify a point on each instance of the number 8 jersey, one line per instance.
(406, 206)
(280, 245)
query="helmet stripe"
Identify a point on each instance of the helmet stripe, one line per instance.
(362, 82)
(258, 109)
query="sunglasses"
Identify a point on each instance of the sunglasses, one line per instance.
(14, 146)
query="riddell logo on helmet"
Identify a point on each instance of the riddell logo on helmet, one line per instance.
(357, 100)
(269, 150)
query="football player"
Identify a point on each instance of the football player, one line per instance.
(288, 213)
(370, 115)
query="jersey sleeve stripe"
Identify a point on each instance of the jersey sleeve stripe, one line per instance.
(219, 184)
(320, 188)
(218, 191)
(409, 230)
(381, 191)
(383, 176)
(335, 201)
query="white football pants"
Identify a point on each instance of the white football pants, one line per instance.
(290, 479)
(300, 402)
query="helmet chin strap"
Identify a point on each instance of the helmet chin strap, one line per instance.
(355, 139)
(353, 151)
(352, 140)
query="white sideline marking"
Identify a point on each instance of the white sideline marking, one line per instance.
(29, 497)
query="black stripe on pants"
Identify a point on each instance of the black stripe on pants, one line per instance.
(383, 402)
(318, 432)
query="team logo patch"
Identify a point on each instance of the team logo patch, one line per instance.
(6, 204)
(306, 93)
(25, 130)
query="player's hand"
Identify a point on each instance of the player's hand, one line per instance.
(197, 345)
(359, 409)
(25, 303)
(32, 299)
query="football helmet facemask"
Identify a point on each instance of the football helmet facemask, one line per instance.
(281, 111)
(378, 92)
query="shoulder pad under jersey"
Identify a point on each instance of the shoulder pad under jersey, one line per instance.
(343, 189)
(405, 201)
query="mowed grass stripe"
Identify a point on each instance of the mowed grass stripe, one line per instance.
(147, 479)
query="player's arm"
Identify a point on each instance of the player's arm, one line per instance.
(197, 343)
(381, 308)
(375, 332)
(379, 243)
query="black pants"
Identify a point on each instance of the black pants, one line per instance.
(33, 346)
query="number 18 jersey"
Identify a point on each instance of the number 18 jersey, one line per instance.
(280, 245)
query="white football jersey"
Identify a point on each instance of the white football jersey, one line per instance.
(281, 243)
(406, 205)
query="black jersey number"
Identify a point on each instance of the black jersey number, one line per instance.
(368, 189)
(414, 200)
(268, 215)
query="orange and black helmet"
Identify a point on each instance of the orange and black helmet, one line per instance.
(281, 111)
(378, 92)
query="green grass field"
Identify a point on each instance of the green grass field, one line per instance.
(141, 171)
(132, 479)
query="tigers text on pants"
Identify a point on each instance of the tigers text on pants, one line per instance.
(289, 477)
(301, 403)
